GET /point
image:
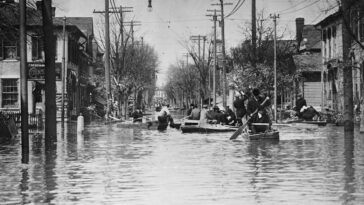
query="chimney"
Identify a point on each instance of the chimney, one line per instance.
(300, 23)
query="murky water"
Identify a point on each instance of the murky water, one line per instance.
(111, 165)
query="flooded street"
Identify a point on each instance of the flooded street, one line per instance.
(111, 165)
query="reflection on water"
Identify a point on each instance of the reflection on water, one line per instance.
(111, 165)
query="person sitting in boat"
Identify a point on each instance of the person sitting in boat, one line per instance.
(230, 117)
(308, 113)
(195, 113)
(240, 108)
(299, 104)
(215, 116)
(137, 115)
(190, 109)
(254, 103)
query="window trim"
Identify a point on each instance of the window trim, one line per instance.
(17, 93)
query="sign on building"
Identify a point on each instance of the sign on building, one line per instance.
(36, 71)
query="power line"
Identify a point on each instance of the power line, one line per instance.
(294, 6)
(235, 9)
(302, 7)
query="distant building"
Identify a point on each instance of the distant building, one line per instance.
(308, 63)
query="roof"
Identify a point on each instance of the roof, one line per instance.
(311, 38)
(329, 19)
(85, 24)
(308, 62)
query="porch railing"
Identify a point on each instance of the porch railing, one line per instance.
(35, 121)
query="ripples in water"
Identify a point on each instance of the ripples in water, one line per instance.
(111, 165)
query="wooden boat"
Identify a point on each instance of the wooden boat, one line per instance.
(270, 135)
(208, 128)
(314, 122)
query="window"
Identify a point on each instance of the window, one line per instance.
(10, 93)
(37, 47)
(10, 50)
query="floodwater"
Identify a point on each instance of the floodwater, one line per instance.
(111, 165)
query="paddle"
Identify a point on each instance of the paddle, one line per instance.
(241, 128)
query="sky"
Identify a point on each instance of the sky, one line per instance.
(170, 23)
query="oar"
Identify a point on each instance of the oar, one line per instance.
(241, 128)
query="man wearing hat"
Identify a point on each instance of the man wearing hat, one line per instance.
(254, 103)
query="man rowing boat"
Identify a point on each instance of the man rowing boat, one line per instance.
(262, 116)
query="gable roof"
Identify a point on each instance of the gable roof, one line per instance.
(85, 24)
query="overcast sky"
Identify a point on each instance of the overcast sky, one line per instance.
(173, 21)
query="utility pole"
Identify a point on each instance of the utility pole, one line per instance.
(50, 75)
(254, 34)
(132, 24)
(224, 80)
(214, 18)
(107, 58)
(198, 38)
(347, 71)
(24, 84)
(63, 69)
(274, 17)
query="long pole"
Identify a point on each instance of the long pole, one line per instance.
(63, 69)
(23, 84)
(50, 75)
(274, 16)
(347, 70)
(254, 34)
(224, 82)
(215, 58)
(107, 58)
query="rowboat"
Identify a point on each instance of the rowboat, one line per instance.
(269, 135)
(208, 128)
(300, 121)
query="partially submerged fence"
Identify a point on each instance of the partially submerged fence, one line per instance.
(35, 121)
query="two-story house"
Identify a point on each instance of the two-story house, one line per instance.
(78, 62)
(308, 63)
(332, 58)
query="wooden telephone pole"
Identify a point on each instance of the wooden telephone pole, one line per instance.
(348, 79)
(50, 74)
(24, 84)
(274, 17)
(214, 18)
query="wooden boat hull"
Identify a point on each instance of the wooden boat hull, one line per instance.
(206, 129)
(319, 123)
(271, 135)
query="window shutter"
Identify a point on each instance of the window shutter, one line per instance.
(1, 49)
(34, 48)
